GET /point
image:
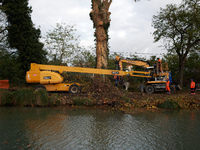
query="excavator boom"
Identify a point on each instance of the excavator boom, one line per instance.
(141, 63)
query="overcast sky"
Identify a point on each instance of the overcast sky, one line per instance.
(130, 29)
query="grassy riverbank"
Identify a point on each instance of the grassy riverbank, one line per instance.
(117, 100)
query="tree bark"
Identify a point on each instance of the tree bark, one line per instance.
(101, 49)
(181, 69)
(101, 19)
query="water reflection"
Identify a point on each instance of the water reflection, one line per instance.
(51, 128)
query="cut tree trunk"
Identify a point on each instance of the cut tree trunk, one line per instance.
(101, 19)
(101, 49)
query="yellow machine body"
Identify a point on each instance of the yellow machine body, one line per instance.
(59, 86)
(33, 76)
(43, 77)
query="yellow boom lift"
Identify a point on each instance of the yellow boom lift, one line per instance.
(49, 76)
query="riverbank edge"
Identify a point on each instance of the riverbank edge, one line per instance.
(128, 102)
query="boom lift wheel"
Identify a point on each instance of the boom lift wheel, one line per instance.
(149, 89)
(40, 87)
(74, 89)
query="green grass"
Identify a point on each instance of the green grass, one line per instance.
(23, 97)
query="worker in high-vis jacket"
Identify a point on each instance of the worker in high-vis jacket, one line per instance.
(192, 87)
(159, 65)
(168, 86)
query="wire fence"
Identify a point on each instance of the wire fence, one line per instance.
(140, 55)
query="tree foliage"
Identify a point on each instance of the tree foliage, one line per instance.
(8, 64)
(22, 35)
(178, 26)
(191, 68)
(61, 43)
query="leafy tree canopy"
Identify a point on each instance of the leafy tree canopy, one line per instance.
(22, 35)
(179, 28)
(61, 43)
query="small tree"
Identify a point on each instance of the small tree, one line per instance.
(178, 27)
(61, 43)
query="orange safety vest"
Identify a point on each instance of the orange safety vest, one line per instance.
(159, 61)
(192, 85)
(159, 65)
(167, 85)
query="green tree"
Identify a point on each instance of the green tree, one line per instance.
(191, 68)
(178, 26)
(8, 64)
(61, 43)
(22, 35)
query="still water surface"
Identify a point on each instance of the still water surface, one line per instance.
(60, 129)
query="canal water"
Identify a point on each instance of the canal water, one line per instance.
(90, 129)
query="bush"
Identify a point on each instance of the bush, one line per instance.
(5, 98)
(169, 104)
